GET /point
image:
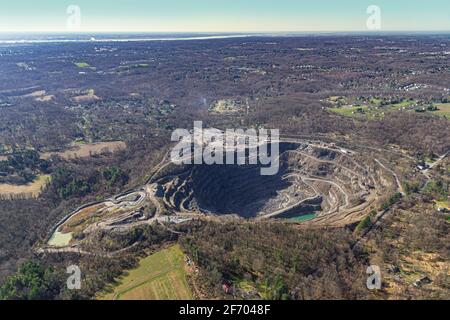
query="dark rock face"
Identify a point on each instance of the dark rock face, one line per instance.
(227, 189)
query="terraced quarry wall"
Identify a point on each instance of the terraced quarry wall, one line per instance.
(330, 181)
(332, 185)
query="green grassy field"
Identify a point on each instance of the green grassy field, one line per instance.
(444, 110)
(351, 111)
(372, 109)
(82, 64)
(161, 276)
(443, 204)
(132, 66)
(405, 103)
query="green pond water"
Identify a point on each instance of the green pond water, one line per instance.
(304, 217)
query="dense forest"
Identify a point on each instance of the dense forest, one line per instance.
(278, 261)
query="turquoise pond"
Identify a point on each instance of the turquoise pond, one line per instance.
(304, 217)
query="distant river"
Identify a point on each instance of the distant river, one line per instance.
(64, 38)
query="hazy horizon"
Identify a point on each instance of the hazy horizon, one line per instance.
(108, 37)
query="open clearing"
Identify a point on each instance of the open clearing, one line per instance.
(33, 189)
(443, 204)
(86, 150)
(372, 109)
(350, 111)
(225, 106)
(161, 276)
(366, 111)
(88, 97)
(444, 110)
(40, 96)
(82, 64)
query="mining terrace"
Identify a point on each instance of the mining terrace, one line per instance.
(330, 184)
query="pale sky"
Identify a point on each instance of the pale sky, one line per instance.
(223, 15)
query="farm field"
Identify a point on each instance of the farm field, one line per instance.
(161, 276)
(444, 110)
(443, 204)
(350, 111)
(86, 150)
(82, 64)
(33, 189)
(376, 111)
(371, 110)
